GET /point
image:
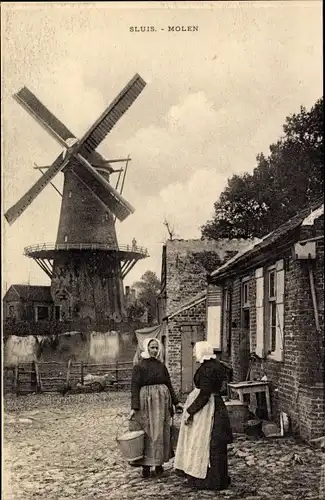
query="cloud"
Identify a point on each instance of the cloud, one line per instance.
(171, 177)
(192, 137)
(186, 206)
(212, 103)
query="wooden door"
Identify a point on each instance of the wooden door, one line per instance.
(244, 345)
(227, 325)
(190, 334)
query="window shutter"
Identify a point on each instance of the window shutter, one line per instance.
(278, 354)
(259, 279)
(214, 316)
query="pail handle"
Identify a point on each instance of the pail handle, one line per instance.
(120, 427)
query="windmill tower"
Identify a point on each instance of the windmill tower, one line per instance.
(86, 264)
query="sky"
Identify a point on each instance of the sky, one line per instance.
(215, 98)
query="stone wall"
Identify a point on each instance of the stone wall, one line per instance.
(87, 285)
(188, 263)
(92, 347)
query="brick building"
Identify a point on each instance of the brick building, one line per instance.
(183, 327)
(30, 303)
(182, 304)
(273, 305)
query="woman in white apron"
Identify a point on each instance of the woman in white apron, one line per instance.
(205, 431)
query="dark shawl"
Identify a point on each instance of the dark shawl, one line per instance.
(149, 372)
(208, 378)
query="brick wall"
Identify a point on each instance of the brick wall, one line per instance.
(296, 383)
(187, 264)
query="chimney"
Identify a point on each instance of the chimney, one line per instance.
(133, 293)
(127, 290)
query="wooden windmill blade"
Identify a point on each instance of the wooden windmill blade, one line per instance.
(81, 150)
(16, 210)
(43, 116)
(97, 133)
(102, 189)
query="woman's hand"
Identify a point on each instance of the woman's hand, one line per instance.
(188, 419)
(132, 413)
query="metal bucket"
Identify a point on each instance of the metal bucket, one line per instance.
(253, 429)
(131, 444)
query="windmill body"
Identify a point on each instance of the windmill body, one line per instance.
(86, 264)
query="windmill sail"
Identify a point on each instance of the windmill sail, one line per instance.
(43, 116)
(97, 133)
(82, 151)
(16, 210)
(103, 190)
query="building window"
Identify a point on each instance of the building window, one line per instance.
(65, 238)
(42, 313)
(11, 312)
(245, 293)
(246, 337)
(245, 304)
(271, 308)
(270, 288)
(57, 313)
(105, 217)
(70, 194)
(226, 345)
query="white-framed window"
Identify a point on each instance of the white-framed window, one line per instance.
(270, 311)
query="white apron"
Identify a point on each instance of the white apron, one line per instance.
(193, 446)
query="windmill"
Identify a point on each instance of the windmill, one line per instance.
(86, 264)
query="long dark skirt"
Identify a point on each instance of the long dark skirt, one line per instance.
(221, 435)
(217, 476)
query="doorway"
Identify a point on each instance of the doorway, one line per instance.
(190, 334)
(244, 345)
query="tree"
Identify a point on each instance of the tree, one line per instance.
(148, 289)
(291, 177)
(170, 230)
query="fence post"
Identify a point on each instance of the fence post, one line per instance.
(16, 379)
(116, 375)
(38, 381)
(68, 373)
(82, 372)
(33, 377)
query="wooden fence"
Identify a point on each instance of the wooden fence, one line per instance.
(54, 376)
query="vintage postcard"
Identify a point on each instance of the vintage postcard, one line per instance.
(163, 250)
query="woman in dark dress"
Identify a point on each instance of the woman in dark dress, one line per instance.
(152, 400)
(205, 431)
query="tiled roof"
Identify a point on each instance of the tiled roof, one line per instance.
(34, 293)
(304, 217)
